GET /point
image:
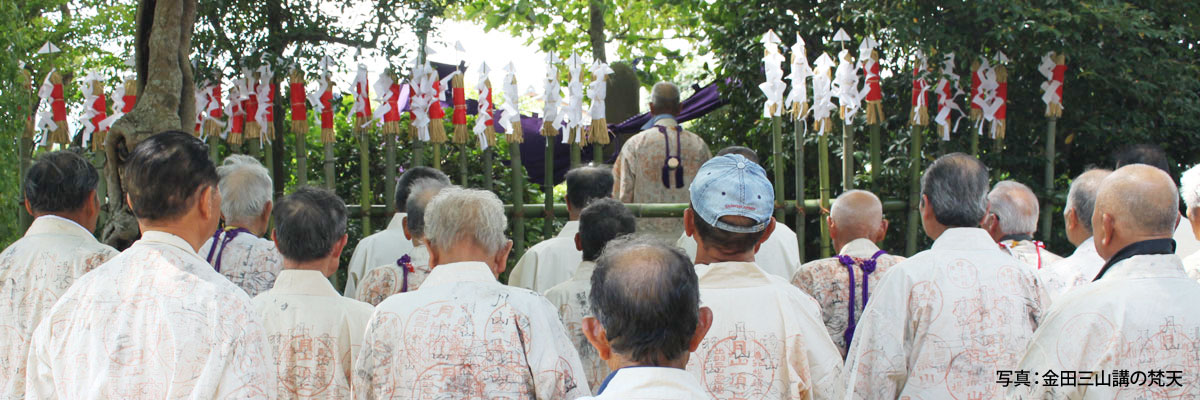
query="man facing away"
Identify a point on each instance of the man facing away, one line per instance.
(657, 165)
(1189, 189)
(945, 320)
(554, 260)
(1186, 242)
(645, 321)
(58, 247)
(600, 222)
(1081, 266)
(313, 331)
(407, 273)
(767, 339)
(463, 334)
(1139, 315)
(156, 321)
(386, 247)
(779, 255)
(842, 284)
(238, 251)
(1012, 221)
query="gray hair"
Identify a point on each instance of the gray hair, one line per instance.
(245, 187)
(1082, 195)
(1015, 206)
(420, 193)
(1189, 187)
(665, 96)
(456, 214)
(957, 187)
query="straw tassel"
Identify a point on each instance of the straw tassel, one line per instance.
(437, 129)
(920, 100)
(874, 97)
(391, 119)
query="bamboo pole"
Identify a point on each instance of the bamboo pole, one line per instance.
(488, 162)
(597, 153)
(436, 160)
(269, 159)
(364, 161)
(389, 171)
(518, 198)
(329, 175)
(576, 149)
(777, 162)
(1047, 200)
(975, 143)
(251, 147)
(997, 148)
(301, 157)
(847, 155)
(462, 165)
(799, 227)
(876, 156)
(418, 153)
(548, 188)
(212, 149)
(823, 166)
(914, 189)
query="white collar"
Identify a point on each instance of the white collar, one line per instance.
(164, 238)
(467, 271)
(652, 382)
(861, 248)
(397, 222)
(569, 230)
(584, 271)
(958, 239)
(303, 282)
(56, 224)
(731, 274)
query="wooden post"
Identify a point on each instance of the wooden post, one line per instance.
(462, 165)
(548, 188)
(847, 155)
(329, 174)
(975, 142)
(488, 161)
(364, 161)
(249, 147)
(269, 159)
(823, 166)
(389, 172)
(212, 149)
(876, 156)
(436, 161)
(597, 153)
(518, 198)
(576, 148)
(777, 162)
(418, 153)
(914, 189)
(1047, 200)
(798, 130)
(301, 157)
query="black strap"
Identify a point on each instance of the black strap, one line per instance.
(666, 168)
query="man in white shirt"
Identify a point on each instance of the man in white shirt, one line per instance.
(1012, 221)
(60, 192)
(779, 255)
(464, 335)
(600, 222)
(239, 251)
(387, 246)
(1186, 242)
(156, 321)
(767, 340)
(407, 273)
(314, 332)
(1138, 317)
(1189, 189)
(1082, 265)
(842, 284)
(554, 260)
(646, 320)
(942, 322)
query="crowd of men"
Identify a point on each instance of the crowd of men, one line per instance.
(200, 308)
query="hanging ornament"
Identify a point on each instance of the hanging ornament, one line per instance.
(212, 119)
(484, 120)
(947, 90)
(266, 101)
(362, 100)
(511, 120)
(56, 126)
(95, 111)
(437, 115)
(552, 117)
(236, 109)
(124, 97)
(388, 90)
(321, 101)
(297, 98)
(823, 94)
(868, 60)
(976, 112)
(201, 103)
(797, 98)
(250, 91)
(845, 87)
(1054, 68)
(1001, 101)
(920, 103)
(773, 87)
(459, 118)
(574, 101)
(597, 93)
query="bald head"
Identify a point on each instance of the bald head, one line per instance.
(856, 214)
(1015, 208)
(1136, 202)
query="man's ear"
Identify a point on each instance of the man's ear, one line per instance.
(578, 242)
(1109, 223)
(404, 224)
(501, 258)
(28, 208)
(689, 222)
(766, 234)
(882, 233)
(832, 226)
(1070, 219)
(706, 319)
(435, 254)
(595, 334)
(208, 202)
(925, 208)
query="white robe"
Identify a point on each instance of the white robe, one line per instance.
(463, 335)
(34, 271)
(385, 280)
(1140, 317)
(767, 340)
(250, 262)
(652, 383)
(1185, 240)
(571, 300)
(549, 262)
(382, 248)
(314, 334)
(1076, 270)
(154, 322)
(944, 321)
(779, 255)
(1030, 253)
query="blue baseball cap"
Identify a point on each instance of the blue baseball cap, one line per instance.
(732, 185)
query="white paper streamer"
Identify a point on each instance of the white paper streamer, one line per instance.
(598, 89)
(946, 104)
(423, 97)
(552, 94)
(575, 121)
(314, 97)
(845, 85)
(822, 91)
(512, 97)
(118, 100)
(799, 77)
(1050, 86)
(263, 90)
(773, 87)
(360, 84)
(46, 118)
(482, 117)
(89, 112)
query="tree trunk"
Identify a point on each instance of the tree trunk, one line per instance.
(166, 97)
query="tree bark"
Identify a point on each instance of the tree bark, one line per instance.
(165, 99)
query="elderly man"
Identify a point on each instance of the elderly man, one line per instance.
(599, 223)
(1139, 315)
(658, 164)
(646, 320)
(1012, 221)
(779, 255)
(855, 224)
(463, 335)
(238, 251)
(1189, 188)
(156, 321)
(386, 247)
(767, 340)
(314, 332)
(944, 321)
(553, 261)
(1082, 265)
(60, 192)
(407, 273)
(1186, 242)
